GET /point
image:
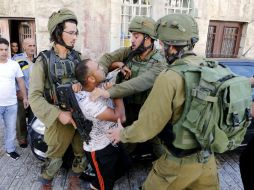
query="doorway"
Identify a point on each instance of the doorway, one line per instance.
(16, 29)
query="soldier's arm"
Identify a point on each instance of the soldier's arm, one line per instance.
(46, 112)
(137, 84)
(116, 56)
(164, 101)
(252, 81)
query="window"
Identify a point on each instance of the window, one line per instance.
(130, 9)
(178, 6)
(26, 30)
(223, 39)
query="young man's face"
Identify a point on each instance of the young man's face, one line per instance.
(3, 53)
(70, 34)
(96, 71)
(14, 47)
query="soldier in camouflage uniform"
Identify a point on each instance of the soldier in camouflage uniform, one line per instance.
(178, 34)
(52, 68)
(141, 63)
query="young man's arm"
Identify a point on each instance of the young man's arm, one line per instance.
(22, 87)
(113, 114)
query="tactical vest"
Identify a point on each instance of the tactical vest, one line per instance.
(138, 68)
(217, 107)
(58, 71)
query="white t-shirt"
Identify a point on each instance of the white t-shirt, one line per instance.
(9, 71)
(91, 110)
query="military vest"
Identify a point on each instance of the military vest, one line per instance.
(137, 69)
(58, 71)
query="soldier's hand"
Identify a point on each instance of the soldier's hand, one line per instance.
(98, 92)
(114, 134)
(126, 71)
(76, 87)
(65, 118)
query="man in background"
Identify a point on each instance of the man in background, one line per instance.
(25, 61)
(10, 72)
(14, 48)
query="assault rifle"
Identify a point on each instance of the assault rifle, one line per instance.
(68, 102)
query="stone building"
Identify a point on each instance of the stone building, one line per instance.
(226, 27)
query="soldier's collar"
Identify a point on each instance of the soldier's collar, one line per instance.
(54, 48)
(148, 56)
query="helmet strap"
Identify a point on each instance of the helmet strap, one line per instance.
(141, 48)
(61, 42)
(172, 57)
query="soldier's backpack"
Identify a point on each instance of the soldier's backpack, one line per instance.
(217, 108)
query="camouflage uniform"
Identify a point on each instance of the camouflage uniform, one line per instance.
(136, 89)
(144, 72)
(165, 104)
(57, 136)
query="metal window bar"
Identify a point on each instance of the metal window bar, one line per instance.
(26, 31)
(210, 41)
(229, 42)
(178, 6)
(130, 9)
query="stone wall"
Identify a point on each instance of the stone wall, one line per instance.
(46, 9)
(96, 22)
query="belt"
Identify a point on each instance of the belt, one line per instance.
(201, 156)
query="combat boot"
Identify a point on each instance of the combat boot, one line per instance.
(47, 186)
(74, 183)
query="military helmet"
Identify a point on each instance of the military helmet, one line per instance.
(177, 29)
(143, 25)
(58, 17)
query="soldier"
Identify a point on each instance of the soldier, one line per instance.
(178, 34)
(25, 61)
(246, 164)
(52, 68)
(141, 64)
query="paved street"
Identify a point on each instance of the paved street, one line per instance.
(23, 173)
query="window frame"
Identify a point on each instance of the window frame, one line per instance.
(130, 9)
(219, 37)
(177, 6)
